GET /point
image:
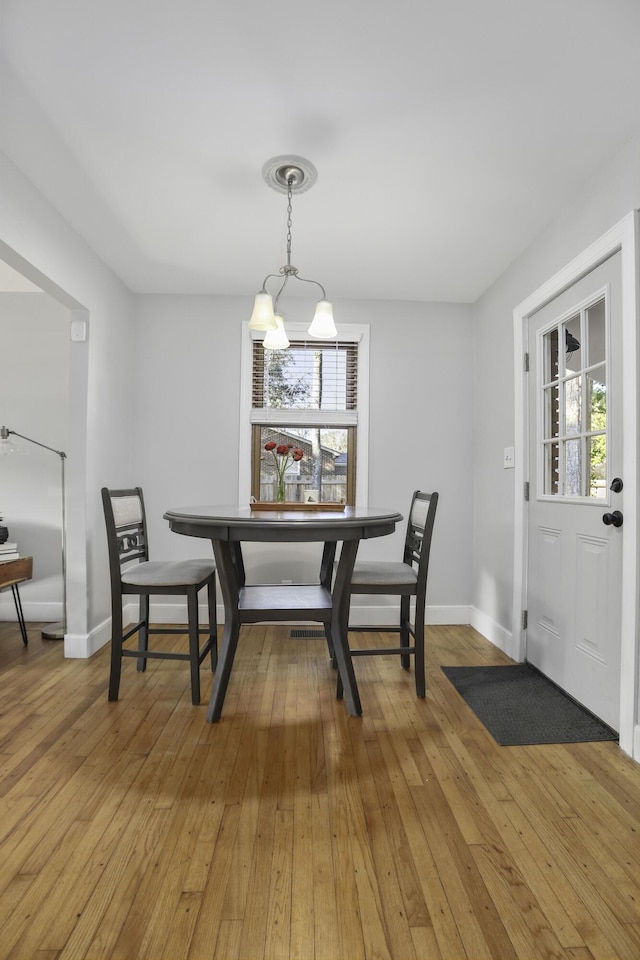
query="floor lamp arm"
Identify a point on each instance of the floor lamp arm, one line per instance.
(5, 432)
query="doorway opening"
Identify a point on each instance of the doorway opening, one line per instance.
(53, 397)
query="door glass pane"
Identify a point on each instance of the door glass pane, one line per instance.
(574, 422)
(572, 346)
(572, 468)
(550, 355)
(551, 468)
(551, 412)
(573, 405)
(597, 452)
(595, 333)
(596, 413)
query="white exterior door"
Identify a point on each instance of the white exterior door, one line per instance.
(576, 496)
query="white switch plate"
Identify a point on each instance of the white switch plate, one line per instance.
(78, 331)
(509, 458)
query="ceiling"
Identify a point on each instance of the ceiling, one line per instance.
(446, 133)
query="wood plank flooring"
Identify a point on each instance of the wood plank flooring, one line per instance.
(137, 831)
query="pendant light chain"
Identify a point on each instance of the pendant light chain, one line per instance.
(301, 174)
(289, 220)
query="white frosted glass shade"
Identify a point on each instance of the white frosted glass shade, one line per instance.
(263, 317)
(8, 447)
(276, 339)
(322, 325)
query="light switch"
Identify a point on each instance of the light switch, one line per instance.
(509, 458)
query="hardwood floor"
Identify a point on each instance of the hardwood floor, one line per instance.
(136, 830)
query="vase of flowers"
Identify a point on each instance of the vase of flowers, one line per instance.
(284, 454)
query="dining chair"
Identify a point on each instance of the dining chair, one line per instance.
(405, 578)
(127, 541)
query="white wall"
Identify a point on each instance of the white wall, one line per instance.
(605, 200)
(421, 426)
(39, 243)
(34, 387)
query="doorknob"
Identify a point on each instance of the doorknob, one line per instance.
(616, 485)
(613, 519)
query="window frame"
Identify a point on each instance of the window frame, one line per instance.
(356, 333)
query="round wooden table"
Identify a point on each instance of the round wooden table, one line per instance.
(326, 602)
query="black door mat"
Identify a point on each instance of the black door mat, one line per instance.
(518, 705)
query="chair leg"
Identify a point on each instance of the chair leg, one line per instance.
(143, 632)
(405, 606)
(116, 649)
(418, 629)
(194, 645)
(327, 634)
(213, 624)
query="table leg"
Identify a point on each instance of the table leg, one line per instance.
(20, 614)
(340, 626)
(326, 577)
(226, 564)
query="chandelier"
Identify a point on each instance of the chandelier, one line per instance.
(289, 175)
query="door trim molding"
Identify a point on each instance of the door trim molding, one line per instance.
(623, 236)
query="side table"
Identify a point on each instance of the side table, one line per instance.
(13, 572)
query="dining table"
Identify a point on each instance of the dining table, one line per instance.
(325, 601)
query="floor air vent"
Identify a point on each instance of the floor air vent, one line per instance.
(307, 635)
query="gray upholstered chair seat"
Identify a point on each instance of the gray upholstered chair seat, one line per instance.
(389, 573)
(170, 573)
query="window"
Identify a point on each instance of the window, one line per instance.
(574, 404)
(311, 397)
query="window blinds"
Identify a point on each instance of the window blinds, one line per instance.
(312, 383)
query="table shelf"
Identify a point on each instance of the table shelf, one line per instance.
(285, 602)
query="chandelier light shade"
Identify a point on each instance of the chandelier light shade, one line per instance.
(263, 317)
(322, 325)
(53, 631)
(288, 175)
(277, 338)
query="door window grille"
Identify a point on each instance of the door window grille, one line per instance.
(573, 409)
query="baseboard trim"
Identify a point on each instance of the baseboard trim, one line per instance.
(82, 646)
(362, 615)
(492, 631)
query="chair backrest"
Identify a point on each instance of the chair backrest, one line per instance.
(417, 545)
(126, 528)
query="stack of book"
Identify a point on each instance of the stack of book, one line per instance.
(8, 551)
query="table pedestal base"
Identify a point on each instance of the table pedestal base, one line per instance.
(319, 603)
